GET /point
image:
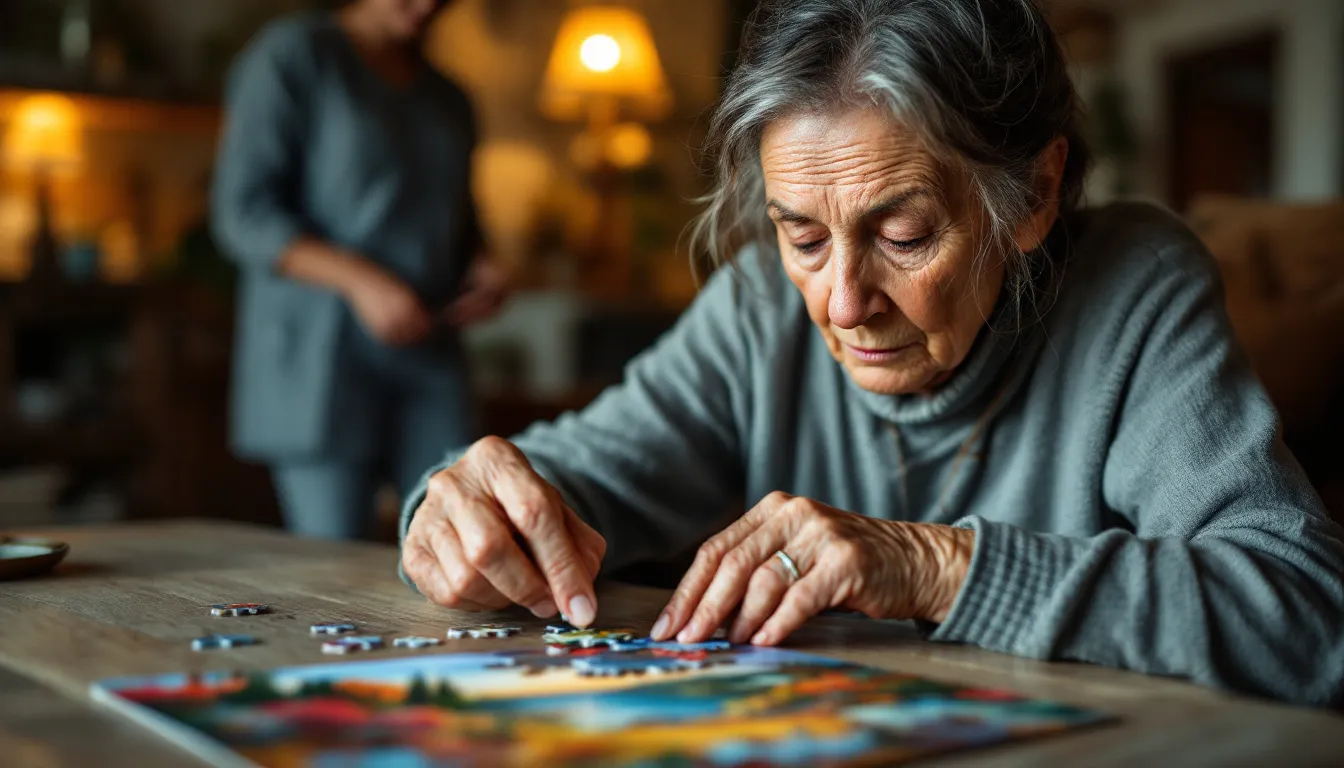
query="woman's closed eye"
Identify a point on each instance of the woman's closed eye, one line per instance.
(906, 245)
(811, 246)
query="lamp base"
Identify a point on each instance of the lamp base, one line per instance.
(45, 250)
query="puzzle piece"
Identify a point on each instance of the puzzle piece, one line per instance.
(683, 655)
(556, 649)
(416, 643)
(483, 630)
(213, 642)
(352, 643)
(335, 628)
(616, 666)
(238, 609)
(588, 638)
(649, 644)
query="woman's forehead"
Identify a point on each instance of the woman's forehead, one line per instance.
(854, 148)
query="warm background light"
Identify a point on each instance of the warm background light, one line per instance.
(600, 53)
(605, 59)
(47, 131)
(629, 146)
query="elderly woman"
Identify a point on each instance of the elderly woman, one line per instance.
(950, 394)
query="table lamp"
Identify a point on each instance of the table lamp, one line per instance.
(604, 66)
(45, 135)
(605, 69)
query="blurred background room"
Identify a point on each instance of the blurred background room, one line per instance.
(117, 308)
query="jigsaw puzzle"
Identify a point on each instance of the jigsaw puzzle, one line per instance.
(743, 706)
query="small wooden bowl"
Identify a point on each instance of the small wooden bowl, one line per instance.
(22, 558)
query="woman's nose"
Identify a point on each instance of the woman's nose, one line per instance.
(854, 300)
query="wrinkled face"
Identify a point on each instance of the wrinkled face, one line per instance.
(407, 19)
(882, 243)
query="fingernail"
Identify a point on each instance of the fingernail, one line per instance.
(761, 638)
(661, 626)
(686, 635)
(581, 612)
(545, 609)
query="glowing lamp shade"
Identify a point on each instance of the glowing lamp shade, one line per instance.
(45, 131)
(604, 55)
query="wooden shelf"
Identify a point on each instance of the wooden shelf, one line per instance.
(127, 114)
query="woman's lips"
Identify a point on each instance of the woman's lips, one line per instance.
(876, 356)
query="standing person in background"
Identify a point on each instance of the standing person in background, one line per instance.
(343, 191)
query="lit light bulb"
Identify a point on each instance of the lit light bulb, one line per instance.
(600, 53)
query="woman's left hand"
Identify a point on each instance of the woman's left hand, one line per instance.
(484, 291)
(882, 568)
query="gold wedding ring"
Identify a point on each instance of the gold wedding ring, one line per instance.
(789, 565)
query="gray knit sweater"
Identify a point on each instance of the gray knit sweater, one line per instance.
(1133, 503)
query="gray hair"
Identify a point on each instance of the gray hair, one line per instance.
(983, 83)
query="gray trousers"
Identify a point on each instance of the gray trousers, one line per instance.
(401, 413)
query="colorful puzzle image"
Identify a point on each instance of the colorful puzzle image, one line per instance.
(744, 706)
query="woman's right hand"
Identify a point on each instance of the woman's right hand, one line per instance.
(388, 308)
(492, 532)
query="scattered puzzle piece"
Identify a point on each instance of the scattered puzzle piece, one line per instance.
(352, 643)
(213, 642)
(483, 630)
(238, 609)
(649, 644)
(335, 628)
(588, 638)
(416, 643)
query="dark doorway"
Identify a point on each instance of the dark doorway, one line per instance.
(1221, 107)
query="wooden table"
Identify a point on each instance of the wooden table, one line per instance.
(129, 599)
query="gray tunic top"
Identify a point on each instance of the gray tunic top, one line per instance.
(1133, 502)
(317, 143)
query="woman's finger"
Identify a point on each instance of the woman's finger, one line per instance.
(424, 570)
(487, 547)
(730, 582)
(808, 597)
(701, 573)
(764, 592)
(537, 513)
(467, 589)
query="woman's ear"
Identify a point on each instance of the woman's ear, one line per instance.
(1049, 177)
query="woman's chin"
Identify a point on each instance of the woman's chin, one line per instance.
(888, 381)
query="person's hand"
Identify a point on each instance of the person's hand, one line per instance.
(388, 308)
(492, 532)
(881, 568)
(484, 290)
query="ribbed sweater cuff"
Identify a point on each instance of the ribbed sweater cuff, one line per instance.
(1012, 576)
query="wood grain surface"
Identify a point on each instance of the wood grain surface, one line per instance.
(129, 599)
